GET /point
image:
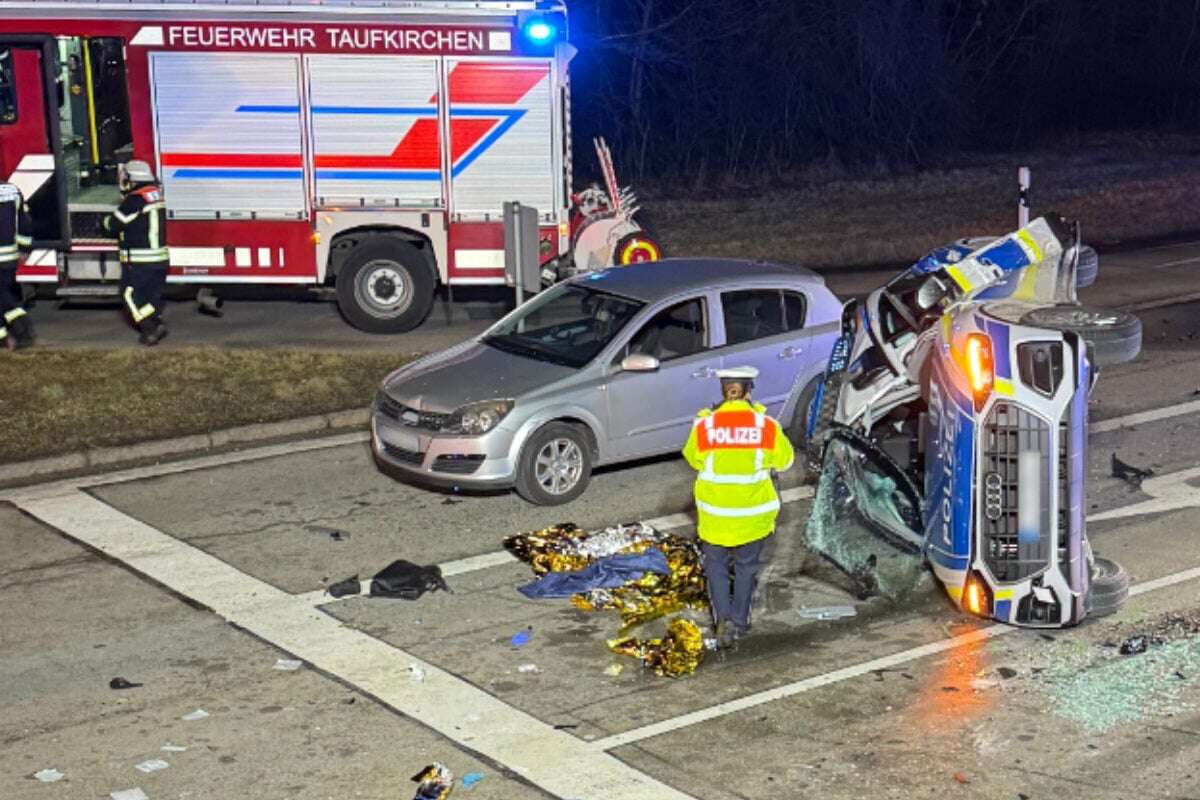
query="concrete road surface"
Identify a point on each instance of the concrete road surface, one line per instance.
(196, 576)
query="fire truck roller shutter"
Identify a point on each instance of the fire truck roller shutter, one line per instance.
(375, 131)
(229, 134)
(386, 283)
(502, 135)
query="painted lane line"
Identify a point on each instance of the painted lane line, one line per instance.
(1168, 492)
(1163, 302)
(1142, 417)
(857, 670)
(554, 760)
(498, 558)
(1179, 262)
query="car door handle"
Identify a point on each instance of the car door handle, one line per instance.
(704, 372)
(790, 352)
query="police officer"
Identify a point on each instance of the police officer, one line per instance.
(16, 237)
(736, 448)
(140, 223)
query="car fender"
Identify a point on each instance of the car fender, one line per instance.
(568, 412)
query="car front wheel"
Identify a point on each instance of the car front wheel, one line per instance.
(555, 465)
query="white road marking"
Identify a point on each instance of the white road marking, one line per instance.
(1142, 417)
(556, 761)
(1167, 493)
(1180, 262)
(1147, 305)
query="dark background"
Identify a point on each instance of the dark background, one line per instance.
(703, 91)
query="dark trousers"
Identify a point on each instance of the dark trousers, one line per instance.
(142, 290)
(735, 605)
(13, 321)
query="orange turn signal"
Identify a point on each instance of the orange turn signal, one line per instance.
(979, 367)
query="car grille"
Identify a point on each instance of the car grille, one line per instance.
(1040, 365)
(1010, 554)
(405, 456)
(458, 464)
(410, 417)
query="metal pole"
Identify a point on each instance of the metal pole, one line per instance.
(518, 254)
(1022, 197)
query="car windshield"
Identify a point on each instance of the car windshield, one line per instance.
(566, 325)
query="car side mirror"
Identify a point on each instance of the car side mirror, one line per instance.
(639, 362)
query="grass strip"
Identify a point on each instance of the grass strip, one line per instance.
(62, 401)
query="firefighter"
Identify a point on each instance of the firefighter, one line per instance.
(737, 449)
(140, 225)
(16, 331)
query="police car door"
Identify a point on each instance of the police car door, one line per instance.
(651, 412)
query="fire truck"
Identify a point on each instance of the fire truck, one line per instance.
(366, 149)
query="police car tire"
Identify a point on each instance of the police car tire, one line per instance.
(1088, 268)
(405, 258)
(1116, 340)
(526, 482)
(814, 448)
(797, 430)
(1109, 587)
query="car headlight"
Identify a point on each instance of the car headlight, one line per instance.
(474, 419)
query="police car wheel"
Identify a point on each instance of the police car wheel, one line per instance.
(1088, 268)
(385, 286)
(797, 431)
(555, 465)
(1113, 337)
(1108, 589)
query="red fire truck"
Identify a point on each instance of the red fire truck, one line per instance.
(369, 148)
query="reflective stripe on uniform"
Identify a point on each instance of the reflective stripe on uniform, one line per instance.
(13, 315)
(3, 332)
(748, 511)
(24, 241)
(124, 218)
(138, 314)
(742, 480)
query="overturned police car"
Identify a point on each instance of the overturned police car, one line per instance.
(951, 430)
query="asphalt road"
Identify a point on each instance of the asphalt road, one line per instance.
(195, 577)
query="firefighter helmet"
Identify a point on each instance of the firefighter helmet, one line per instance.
(135, 172)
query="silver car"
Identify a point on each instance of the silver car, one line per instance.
(604, 368)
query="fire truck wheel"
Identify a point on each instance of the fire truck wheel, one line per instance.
(385, 286)
(555, 465)
(634, 248)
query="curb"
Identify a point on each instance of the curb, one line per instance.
(22, 471)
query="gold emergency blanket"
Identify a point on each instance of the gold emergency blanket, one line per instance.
(678, 653)
(567, 548)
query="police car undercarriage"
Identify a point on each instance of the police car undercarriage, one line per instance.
(950, 431)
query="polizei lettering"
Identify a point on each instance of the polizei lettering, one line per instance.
(327, 39)
(735, 436)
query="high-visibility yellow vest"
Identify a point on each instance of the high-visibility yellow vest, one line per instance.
(734, 448)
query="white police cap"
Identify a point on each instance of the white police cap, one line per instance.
(737, 374)
(9, 193)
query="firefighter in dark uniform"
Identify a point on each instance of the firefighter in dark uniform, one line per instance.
(16, 237)
(140, 223)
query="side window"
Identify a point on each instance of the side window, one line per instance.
(674, 332)
(8, 89)
(794, 309)
(752, 314)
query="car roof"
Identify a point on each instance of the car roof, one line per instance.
(652, 281)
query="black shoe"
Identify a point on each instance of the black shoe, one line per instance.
(20, 333)
(151, 332)
(740, 632)
(725, 634)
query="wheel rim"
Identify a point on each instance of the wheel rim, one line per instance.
(1078, 317)
(558, 466)
(384, 288)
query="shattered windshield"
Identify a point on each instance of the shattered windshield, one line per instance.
(568, 325)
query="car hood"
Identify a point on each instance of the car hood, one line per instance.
(469, 372)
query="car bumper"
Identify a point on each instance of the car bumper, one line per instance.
(468, 462)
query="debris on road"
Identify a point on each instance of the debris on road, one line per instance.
(526, 669)
(344, 588)
(415, 673)
(1006, 673)
(961, 777)
(1134, 645)
(198, 714)
(613, 670)
(121, 683)
(1129, 473)
(608, 572)
(521, 638)
(407, 581)
(339, 536)
(828, 612)
(434, 782)
(674, 655)
(49, 775)
(173, 748)
(151, 765)
(471, 778)
(288, 664)
(129, 794)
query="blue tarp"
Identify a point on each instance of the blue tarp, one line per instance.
(604, 573)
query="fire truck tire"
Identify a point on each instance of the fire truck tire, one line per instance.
(635, 248)
(555, 465)
(1113, 337)
(385, 286)
(1109, 588)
